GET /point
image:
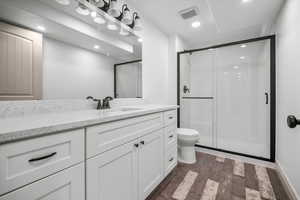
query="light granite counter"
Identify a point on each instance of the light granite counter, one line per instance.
(19, 128)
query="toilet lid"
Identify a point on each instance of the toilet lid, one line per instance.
(185, 132)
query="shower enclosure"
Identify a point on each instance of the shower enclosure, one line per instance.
(227, 93)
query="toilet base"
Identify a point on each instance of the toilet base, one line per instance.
(187, 154)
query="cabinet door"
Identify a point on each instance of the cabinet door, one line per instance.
(113, 174)
(20, 63)
(150, 162)
(65, 185)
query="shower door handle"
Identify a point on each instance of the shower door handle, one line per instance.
(267, 97)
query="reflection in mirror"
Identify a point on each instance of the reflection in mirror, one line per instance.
(67, 54)
(128, 79)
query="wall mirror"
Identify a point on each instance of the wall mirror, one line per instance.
(69, 49)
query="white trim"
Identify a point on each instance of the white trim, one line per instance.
(291, 191)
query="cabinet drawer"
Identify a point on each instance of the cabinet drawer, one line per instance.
(67, 184)
(30, 160)
(170, 117)
(170, 159)
(170, 136)
(103, 137)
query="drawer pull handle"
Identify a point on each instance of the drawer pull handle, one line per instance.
(171, 159)
(171, 136)
(42, 157)
(143, 142)
(170, 117)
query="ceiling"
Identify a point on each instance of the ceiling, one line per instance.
(221, 20)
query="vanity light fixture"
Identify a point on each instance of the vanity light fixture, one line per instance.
(243, 46)
(82, 9)
(41, 28)
(136, 22)
(126, 17)
(196, 24)
(114, 10)
(63, 2)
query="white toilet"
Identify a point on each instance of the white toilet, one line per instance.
(187, 139)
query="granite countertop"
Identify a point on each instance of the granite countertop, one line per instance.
(19, 128)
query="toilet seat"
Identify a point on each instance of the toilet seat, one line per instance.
(184, 133)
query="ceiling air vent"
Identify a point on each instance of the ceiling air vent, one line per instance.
(189, 13)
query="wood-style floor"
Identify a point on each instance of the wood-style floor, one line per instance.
(221, 179)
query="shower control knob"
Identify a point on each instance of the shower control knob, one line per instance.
(292, 121)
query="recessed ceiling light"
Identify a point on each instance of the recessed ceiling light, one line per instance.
(246, 1)
(196, 24)
(140, 40)
(235, 67)
(63, 2)
(41, 28)
(242, 57)
(96, 47)
(243, 46)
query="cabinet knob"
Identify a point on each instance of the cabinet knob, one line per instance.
(171, 136)
(292, 121)
(171, 159)
(136, 145)
(143, 142)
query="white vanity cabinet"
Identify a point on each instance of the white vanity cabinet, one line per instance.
(151, 163)
(131, 170)
(123, 159)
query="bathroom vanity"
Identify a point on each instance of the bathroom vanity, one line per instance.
(123, 153)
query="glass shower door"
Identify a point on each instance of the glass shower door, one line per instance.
(225, 96)
(242, 98)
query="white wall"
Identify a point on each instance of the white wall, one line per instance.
(73, 73)
(155, 64)
(176, 44)
(288, 94)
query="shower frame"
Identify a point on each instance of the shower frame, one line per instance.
(272, 39)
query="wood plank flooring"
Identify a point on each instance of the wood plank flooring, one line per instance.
(217, 178)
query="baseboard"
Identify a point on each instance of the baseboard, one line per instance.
(286, 183)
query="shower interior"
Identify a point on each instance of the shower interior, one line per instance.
(227, 94)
